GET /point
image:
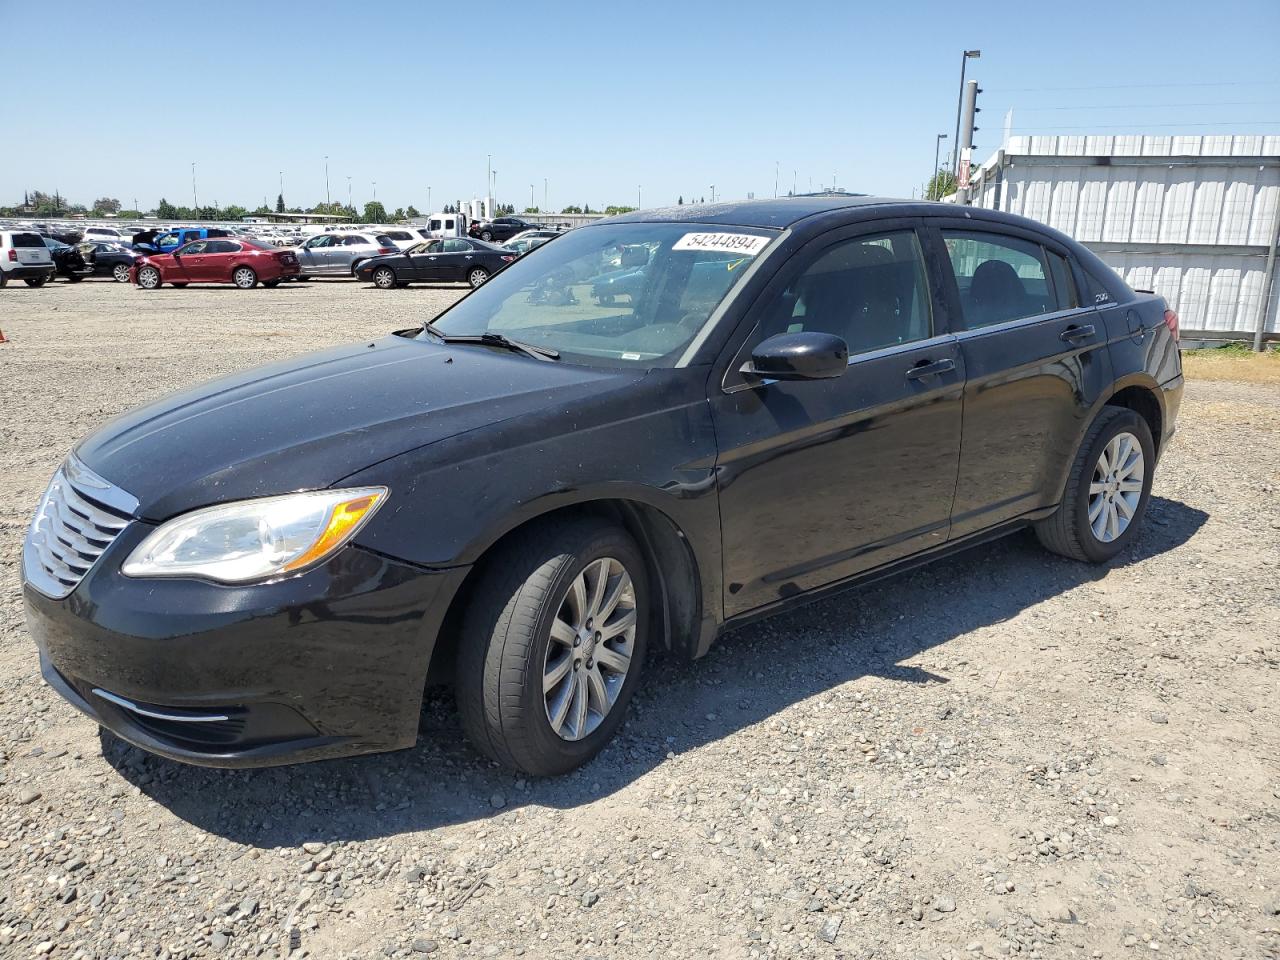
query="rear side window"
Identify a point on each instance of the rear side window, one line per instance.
(1002, 278)
(457, 246)
(871, 291)
(222, 246)
(28, 240)
(400, 235)
(1064, 284)
(385, 241)
(355, 240)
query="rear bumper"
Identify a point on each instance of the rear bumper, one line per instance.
(330, 663)
(29, 271)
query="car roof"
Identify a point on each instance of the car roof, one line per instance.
(778, 213)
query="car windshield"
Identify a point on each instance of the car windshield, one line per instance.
(631, 294)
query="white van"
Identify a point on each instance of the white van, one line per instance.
(24, 256)
(444, 225)
(104, 233)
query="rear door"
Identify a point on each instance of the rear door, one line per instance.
(821, 480)
(1035, 362)
(456, 257)
(219, 256)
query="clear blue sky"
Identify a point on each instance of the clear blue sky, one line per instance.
(596, 97)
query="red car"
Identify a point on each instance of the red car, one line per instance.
(224, 260)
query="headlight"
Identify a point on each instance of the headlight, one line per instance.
(255, 539)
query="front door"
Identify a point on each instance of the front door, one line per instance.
(189, 263)
(820, 480)
(311, 255)
(1035, 364)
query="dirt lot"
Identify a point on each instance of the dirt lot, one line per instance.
(1003, 754)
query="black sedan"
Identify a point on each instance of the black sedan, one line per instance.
(67, 260)
(109, 259)
(500, 229)
(532, 489)
(451, 260)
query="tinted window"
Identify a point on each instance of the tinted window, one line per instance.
(457, 246)
(1064, 284)
(222, 246)
(872, 291)
(400, 235)
(384, 241)
(197, 247)
(1000, 278)
(434, 225)
(27, 240)
(354, 241)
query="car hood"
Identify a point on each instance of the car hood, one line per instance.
(308, 422)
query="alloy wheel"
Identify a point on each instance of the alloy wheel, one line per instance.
(590, 650)
(121, 272)
(1116, 488)
(383, 278)
(477, 276)
(148, 278)
(244, 278)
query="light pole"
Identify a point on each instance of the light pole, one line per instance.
(282, 187)
(775, 179)
(531, 203)
(937, 145)
(545, 204)
(964, 62)
(327, 201)
(713, 193)
(637, 196)
(428, 199)
(195, 204)
(488, 177)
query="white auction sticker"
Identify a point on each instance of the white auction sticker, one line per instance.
(746, 244)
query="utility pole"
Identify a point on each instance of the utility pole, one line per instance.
(195, 204)
(545, 205)
(713, 193)
(933, 175)
(637, 196)
(531, 203)
(327, 201)
(488, 180)
(428, 199)
(375, 191)
(775, 179)
(348, 190)
(964, 62)
(970, 104)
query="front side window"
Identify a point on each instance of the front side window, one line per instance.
(627, 294)
(192, 248)
(871, 291)
(1001, 278)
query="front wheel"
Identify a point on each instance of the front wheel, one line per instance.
(477, 276)
(120, 272)
(74, 277)
(384, 278)
(486, 236)
(244, 278)
(553, 645)
(36, 281)
(149, 278)
(1107, 491)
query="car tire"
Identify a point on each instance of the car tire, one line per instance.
(1107, 490)
(74, 278)
(120, 273)
(301, 279)
(36, 281)
(244, 277)
(4, 279)
(477, 276)
(384, 278)
(543, 582)
(486, 236)
(149, 278)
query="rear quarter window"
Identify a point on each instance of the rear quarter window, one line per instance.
(386, 241)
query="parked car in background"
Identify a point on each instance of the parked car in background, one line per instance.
(402, 237)
(339, 254)
(220, 260)
(67, 260)
(164, 241)
(534, 492)
(109, 259)
(522, 243)
(103, 233)
(503, 228)
(444, 225)
(450, 260)
(24, 256)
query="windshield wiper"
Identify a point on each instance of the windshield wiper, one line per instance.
(494, 339)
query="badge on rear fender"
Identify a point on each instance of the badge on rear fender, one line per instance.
(747, 244)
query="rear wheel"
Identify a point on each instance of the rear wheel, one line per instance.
(552, 647)
(356, 266)
(244, 278)
(120, 272)
(477, 276)
(486, 235)
(1107, 491)
(74, 277)
(149, 278)
(384, 278)
(36, 281)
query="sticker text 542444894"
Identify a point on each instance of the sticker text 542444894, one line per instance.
(743, 244)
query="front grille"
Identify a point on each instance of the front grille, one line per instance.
(79, 517)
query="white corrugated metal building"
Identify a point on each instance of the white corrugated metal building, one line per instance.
(1194, 218)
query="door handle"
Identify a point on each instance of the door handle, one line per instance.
(1074, 333)
(927, 368)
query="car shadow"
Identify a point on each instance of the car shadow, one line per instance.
(751, 674)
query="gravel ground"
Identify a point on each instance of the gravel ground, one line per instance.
(1005, 753)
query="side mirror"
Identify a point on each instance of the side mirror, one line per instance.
(798, 356)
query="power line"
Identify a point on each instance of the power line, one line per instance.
(1149, 86)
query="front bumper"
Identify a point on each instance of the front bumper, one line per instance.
(329, 663)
